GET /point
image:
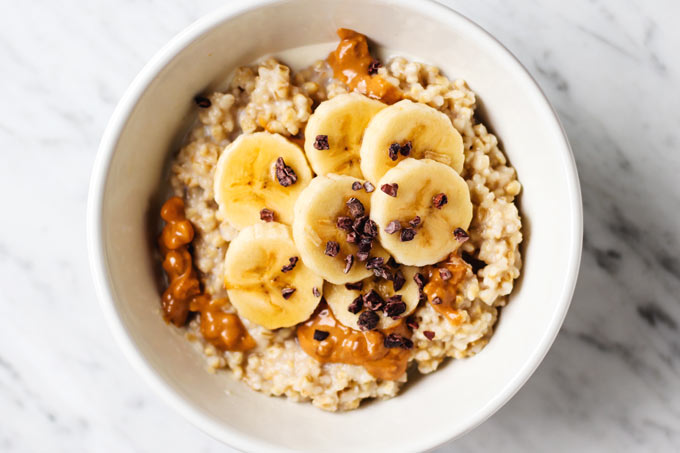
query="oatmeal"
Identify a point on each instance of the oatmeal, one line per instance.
(336, 226)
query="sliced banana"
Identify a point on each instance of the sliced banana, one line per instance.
(246, 179)
(316, 215)
(340, 298)
(422, 185)
(430, 133)
(265, 282)
(334, 132)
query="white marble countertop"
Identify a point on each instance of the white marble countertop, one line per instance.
(610, 383)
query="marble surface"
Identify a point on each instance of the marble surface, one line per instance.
(612, 379)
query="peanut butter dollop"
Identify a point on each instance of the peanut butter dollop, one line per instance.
(354, 347)
(351, 61)
(223, 330)
(446, 291)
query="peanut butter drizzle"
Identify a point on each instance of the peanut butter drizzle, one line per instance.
(350, 62)
(345, 345)
(184, 286)
(446, 290)
(224, 330)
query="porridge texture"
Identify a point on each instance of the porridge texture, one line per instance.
(271, 97)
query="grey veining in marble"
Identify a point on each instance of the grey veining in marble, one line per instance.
(610, 383)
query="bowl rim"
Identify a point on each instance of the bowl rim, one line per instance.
(101, 275)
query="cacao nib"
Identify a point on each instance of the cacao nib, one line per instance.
(321, 142)
(356, 305)
(368, 320)
(332, 248)
(393, 151)
(370, 228)
(320, 335)
(439, 200)
(405, 149)
(390, 189)
(420, 280)
(445, 274)
(284, 174)
(344, 223)
(398, 280)
(358, 224)
(394, 306)
(375, 262)
(393, 227)
(292, 261)
(356, 209)
(407, 234)
(394, 340)
(267, 215)
(373, 301)
(349, 261)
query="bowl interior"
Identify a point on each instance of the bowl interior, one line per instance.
(124, 202)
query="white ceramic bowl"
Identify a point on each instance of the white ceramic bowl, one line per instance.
(144, 130)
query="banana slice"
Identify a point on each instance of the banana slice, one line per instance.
(265, 279)
(334, 132)
(417, 222)
(340, 299)
(322, 243)
(247, 179)
(409, 129)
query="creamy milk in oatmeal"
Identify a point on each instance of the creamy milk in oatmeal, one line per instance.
(335, 227)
